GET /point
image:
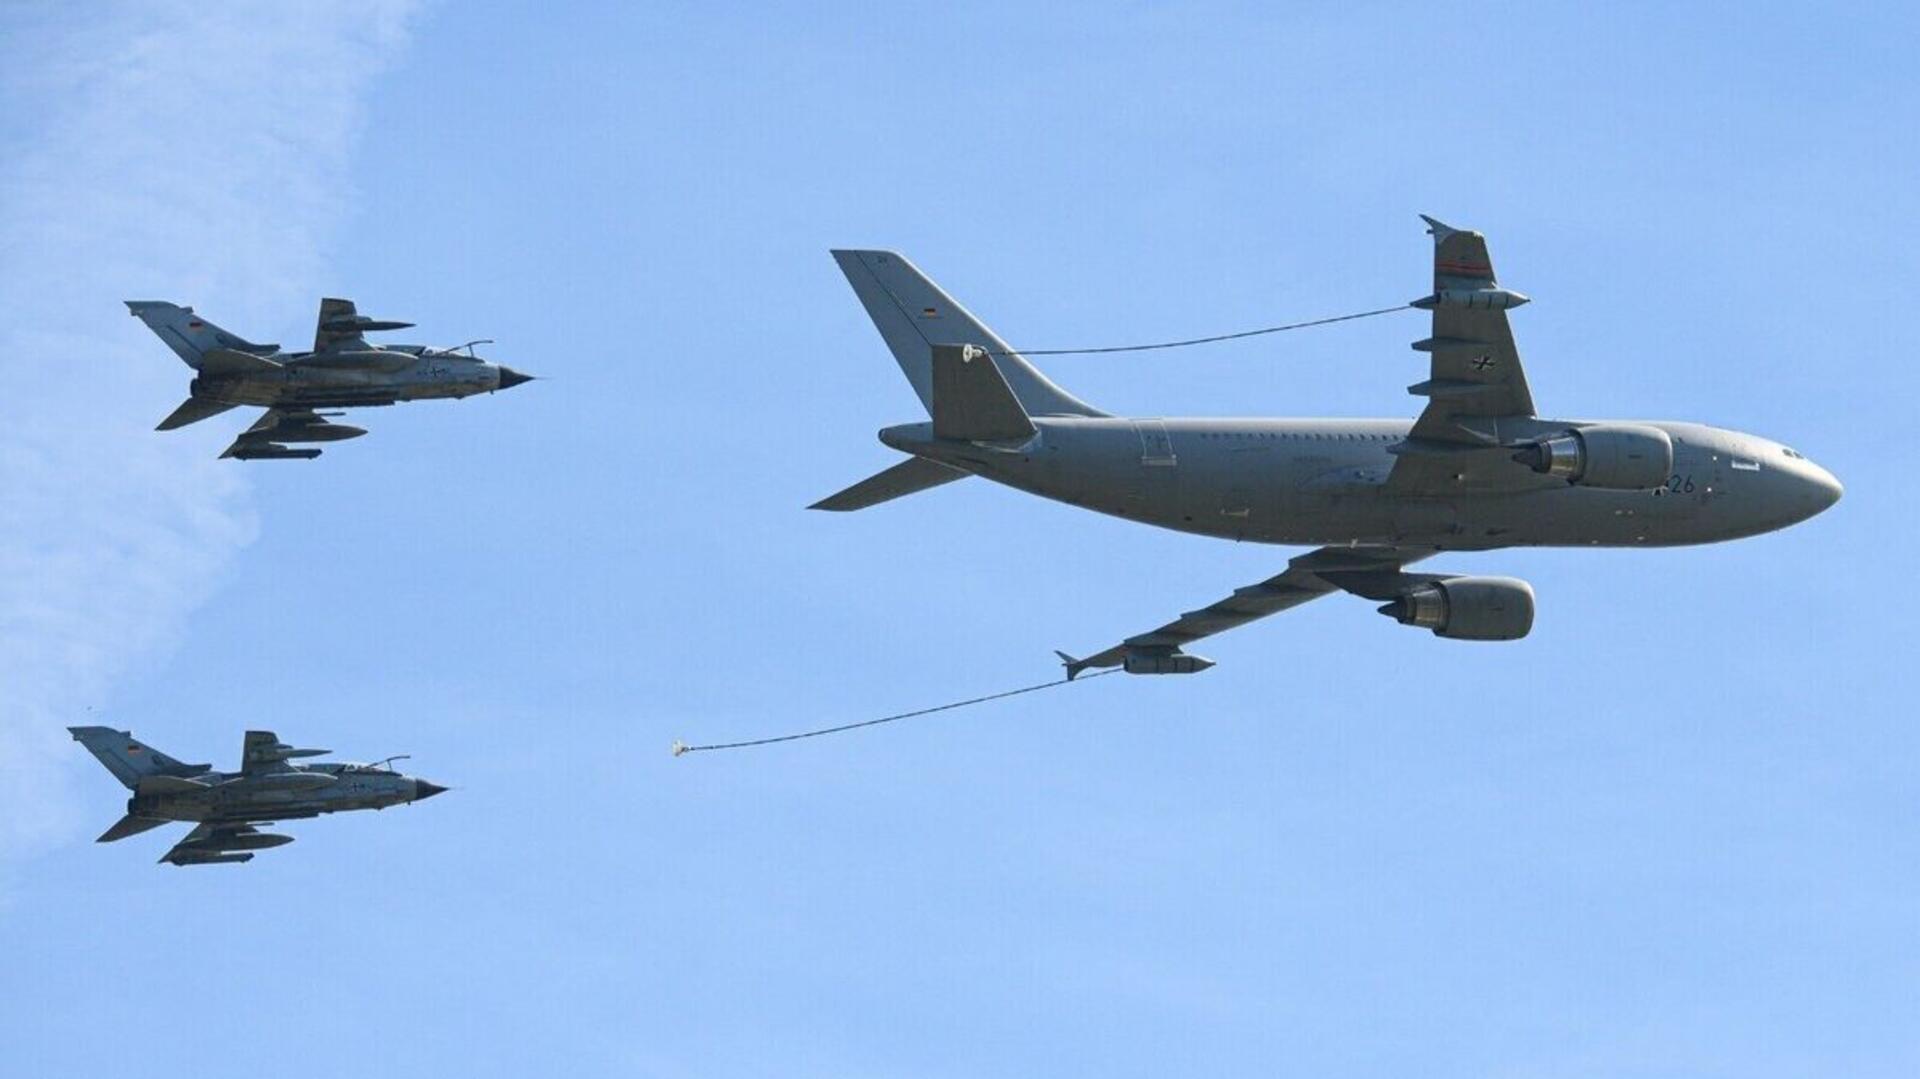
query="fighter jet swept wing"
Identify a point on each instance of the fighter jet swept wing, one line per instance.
(280, 425)
(341, 327)
(1367, 571)
(263, 751)
(211, 843)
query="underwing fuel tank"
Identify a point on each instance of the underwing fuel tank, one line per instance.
(271, 453)
(203, 857)
(257, 841)
(318, 432)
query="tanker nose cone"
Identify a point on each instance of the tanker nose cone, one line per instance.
(510, 378)
(1827, 489)
(423, 790)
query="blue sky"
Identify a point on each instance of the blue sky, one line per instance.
(1667, 834)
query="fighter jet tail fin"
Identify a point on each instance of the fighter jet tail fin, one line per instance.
(129, 825)
(911, 475)
(187, 334)
(913, 314)
(130, 761)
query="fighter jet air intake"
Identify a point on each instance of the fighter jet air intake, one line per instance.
(1478, 469)
(226, 806)
(343, 370)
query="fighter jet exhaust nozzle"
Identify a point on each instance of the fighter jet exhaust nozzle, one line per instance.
(1467, 608)
(1613, 456)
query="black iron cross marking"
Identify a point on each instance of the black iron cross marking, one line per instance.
(1481, 363)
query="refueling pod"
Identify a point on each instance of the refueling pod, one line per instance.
(1613, 456)
(1490, 297)
(1467, 608)
(1163, 661)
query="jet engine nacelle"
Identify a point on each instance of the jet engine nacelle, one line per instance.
(1613, 456)
(1468, 608)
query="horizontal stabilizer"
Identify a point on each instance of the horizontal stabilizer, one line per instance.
(226, 361)
(971, 398)
(192, 410)
(129, 825)
(905, 478)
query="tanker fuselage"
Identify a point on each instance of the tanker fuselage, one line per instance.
(1320, 482)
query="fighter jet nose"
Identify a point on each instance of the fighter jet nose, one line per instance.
(423, 789)
(510, 378)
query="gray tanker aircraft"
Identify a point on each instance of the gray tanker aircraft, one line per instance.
(227, 805)
(1478, 469)
(344, 370)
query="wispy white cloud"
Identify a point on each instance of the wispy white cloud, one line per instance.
(194, 152)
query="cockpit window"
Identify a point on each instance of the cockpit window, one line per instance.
(1793, 453)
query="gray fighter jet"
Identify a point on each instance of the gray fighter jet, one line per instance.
(1478, 469)
(343, 370)
(267, 788)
